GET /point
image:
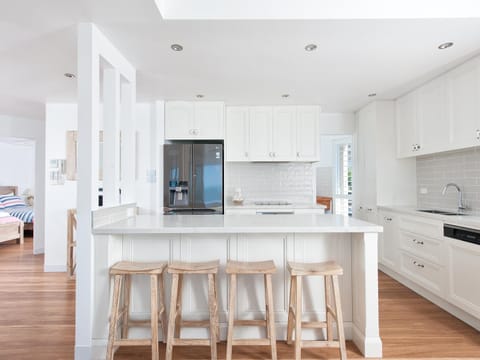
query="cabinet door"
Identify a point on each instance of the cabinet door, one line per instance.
(260, 133)
(463, 268)
(283, 133)
(237, 134)
(406, 123)
(388, 244)
(463, 91)
(433, 126)
(307, 133)
(179, 120)
(209, 120)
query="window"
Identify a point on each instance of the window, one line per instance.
(342, 198)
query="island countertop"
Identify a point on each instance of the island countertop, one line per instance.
(174, 224)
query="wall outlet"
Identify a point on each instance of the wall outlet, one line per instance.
(423, 190)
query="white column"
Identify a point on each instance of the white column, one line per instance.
(366, 334)
(111, 136)
(128, 142)
(88, 119)
(158, 139)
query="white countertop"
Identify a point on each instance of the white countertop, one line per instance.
(460, 220)
(175, 224)
(252, 205)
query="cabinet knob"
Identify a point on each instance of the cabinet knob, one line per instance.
(418, 264)
(418, 146)
(369, 209)
(298, 154)
(388, 219)
(478, 134)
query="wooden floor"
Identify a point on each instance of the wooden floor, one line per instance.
(37, 321)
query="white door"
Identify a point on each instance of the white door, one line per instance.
(209, 120)
(433, 126)
(237, 134)
(463, 92)
(388, 243)
(179, 120)
(406, 124)
(260, 133)
(307, 133)
(284, 133)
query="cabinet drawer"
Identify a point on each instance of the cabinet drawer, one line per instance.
(423, 272)
(422, 226)
(422, 246)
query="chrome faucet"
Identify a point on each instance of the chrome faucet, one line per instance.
(461, 205)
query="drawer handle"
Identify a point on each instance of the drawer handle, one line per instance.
(369, 209)
(418, 264)
(388, 219)
(418, 242)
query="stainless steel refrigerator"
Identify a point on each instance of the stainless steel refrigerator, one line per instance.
(193, 178)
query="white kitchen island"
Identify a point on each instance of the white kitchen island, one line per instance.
(305, 238)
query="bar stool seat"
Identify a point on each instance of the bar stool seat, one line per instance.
(267, 268)
(178, 269)
(122, 272)
(330, 270)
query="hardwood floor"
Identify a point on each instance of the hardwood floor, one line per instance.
(37, 318)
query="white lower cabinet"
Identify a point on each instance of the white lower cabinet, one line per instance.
(259, 211)
(414, 248)
(464, 267)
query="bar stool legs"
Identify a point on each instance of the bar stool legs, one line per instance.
(178, 269)
(122, 272)
(267, 268)
(330, 271)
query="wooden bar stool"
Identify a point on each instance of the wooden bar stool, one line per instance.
(330, 270)
(178, 269)
(267, 268)
(122, 272)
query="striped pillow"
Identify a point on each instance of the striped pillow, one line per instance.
(11, 202)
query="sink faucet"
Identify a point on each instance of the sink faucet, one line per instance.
(461, 205)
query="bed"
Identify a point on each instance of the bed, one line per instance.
(13, 204)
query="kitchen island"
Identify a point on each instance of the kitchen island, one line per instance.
(304, 238)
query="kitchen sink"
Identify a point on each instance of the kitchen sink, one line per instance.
(440, 212)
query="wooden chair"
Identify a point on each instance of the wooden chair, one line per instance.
(267, 268)
(330, 271)
(178, 269)
(122, 272)
(71, 242)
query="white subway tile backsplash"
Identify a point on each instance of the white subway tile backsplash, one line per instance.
(460, 167)
(293, 182)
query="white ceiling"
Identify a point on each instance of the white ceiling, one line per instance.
(238, 61)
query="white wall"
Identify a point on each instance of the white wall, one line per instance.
(33, 129)
(337, 123)
(58, 198)
(18, 163)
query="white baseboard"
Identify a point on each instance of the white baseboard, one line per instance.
(55, 268)
(370, 347)
(84, 353)
(448, 307)
(39, 251)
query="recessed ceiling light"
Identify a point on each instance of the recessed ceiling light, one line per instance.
(310, 47)
(372, 95)
(285, 96)
(199, 96)
(69, 75)
(176, 47)
(445, 45)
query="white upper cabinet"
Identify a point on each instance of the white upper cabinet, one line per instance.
(266, 133)
(406, 121)
(237, 146)
(463, 86)
(432, 120)
(307, 133)
(284, 133)
(194, 120)
(442, 115)
(260, 133)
